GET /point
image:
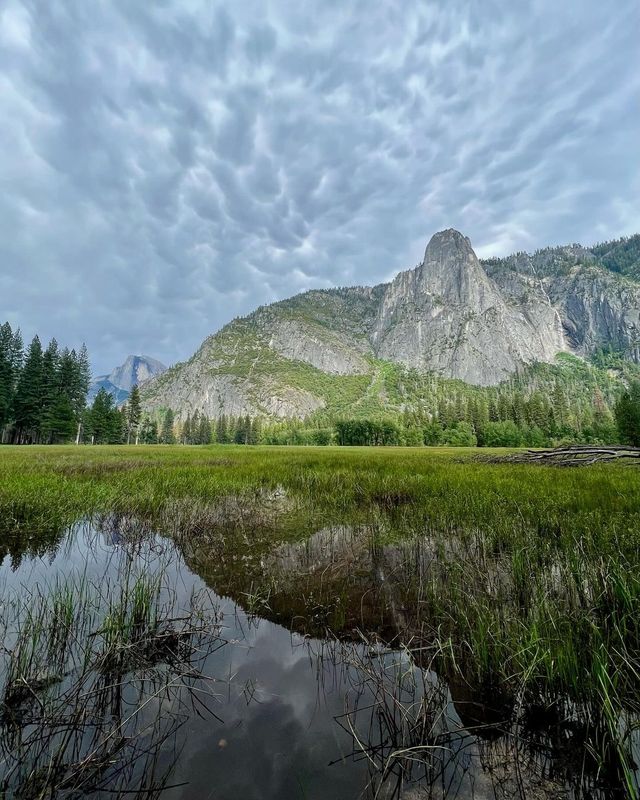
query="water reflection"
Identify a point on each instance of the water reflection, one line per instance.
(274, 712)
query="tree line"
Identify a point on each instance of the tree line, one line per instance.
(43, 399)
(42, 390)
(510, 420)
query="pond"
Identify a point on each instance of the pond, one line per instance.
(141, 665)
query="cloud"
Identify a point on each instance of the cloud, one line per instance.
(166, 167)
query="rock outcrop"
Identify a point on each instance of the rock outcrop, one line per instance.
(452, 315)
(449, 316)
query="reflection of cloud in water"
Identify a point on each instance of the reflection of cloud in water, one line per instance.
(344, 577)
(282, 698)
(278, 726)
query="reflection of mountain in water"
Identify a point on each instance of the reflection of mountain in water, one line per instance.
(332, 712)
(349, 583)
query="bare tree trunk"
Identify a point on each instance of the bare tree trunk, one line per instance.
(79, 433)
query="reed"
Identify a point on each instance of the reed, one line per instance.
(95, 678)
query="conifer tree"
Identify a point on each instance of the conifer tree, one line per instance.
(195, 428)
(121, 426)
(167, 435)
(105, 422)
(80, 387)
(48, 391)
(148, 430)
(28, 398)
(204, 432)
(10, 364)
(627, 414)
(222, 430)
(255, 431)
(186, 431)
(62, 418)
(134, 412)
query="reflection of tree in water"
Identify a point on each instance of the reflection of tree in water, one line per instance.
(421, 733)
(18, 540)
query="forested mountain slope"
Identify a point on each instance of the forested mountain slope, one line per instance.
(452, 317)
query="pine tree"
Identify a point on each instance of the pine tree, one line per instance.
(204, 432)
(104, 419)
(256, 430)
(120, 432)
(48, 390)
(28, 397)
(167, 435)
(10, 364)
(62, 403)
(504, 407)
(186, 431)
(518, 409)
(537, 412)
(72, 393)
(6, 376)
(80, 387)
(243, 430)
(148, 430)
(222, 430)
(42, 396)
(627, 414)
(195, 428)
(493, 410)
(560, 408)
(134, 412)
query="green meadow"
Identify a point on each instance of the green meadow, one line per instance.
(521, 580)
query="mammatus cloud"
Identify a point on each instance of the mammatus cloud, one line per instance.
(168, 166)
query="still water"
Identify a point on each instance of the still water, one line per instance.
(248, 708)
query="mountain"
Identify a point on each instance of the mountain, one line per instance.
(452, 316)
(135, 370)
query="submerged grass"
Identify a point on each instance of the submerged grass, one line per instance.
(95, 677)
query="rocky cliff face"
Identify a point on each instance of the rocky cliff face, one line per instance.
(449, 316)
(452, 315)
(597, 307)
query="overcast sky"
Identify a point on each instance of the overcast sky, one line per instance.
(167, 166)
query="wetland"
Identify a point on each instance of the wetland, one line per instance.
(273, 622)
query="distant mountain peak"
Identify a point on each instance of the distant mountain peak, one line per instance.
(450, 269)
(449, 242)
(136, 370)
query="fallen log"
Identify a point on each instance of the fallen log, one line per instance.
(574, 455)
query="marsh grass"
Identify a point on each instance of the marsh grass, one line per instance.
(413, 729)
(514, 579)
(96, 678)
(553, 629)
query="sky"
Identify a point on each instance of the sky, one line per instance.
(167, 166)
